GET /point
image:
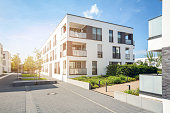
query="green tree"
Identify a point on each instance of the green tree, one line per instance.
(159, 59)
(150, 57)
(29, 64)
(15, 63)
(38, 61)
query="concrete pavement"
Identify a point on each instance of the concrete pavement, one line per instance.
(58, 98)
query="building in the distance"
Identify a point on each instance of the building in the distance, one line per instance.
(83, 46)
(1, 55)
(6, 61)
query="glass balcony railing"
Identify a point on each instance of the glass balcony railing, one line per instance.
(78, 71)
(80, 53)
(129, 42)
(77, 34)
(127, 56)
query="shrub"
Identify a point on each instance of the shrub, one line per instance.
(130, 70)
(111, 70)
(117, 80)
(133, 92)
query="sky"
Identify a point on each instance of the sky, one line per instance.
(27, 24)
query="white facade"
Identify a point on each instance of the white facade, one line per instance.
(80, 44)
(155, 34)
(1, 50)
(6, 61)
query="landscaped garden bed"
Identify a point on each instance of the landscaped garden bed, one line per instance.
(31, 77)
(118, 74)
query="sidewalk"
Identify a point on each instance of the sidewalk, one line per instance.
(117, 87)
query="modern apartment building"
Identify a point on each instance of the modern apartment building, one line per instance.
(6, 61)
(83, 46)
(1, 52)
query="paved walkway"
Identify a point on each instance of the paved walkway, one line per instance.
(58, 98)
(117, 87)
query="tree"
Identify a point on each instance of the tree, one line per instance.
(38, 61)
(15, 62)
(159, 59)
(150, 57)
(29, 64)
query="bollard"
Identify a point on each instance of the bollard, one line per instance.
(106, 86)
(99, 83)
(128, 86)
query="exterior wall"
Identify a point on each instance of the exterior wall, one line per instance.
(166, 49)
(7, 61)
(155, 34)
(1, 50)
(91, 47)
(155, 44)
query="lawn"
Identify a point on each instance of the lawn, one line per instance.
(33, 79)
(29, 75)
(103, 79)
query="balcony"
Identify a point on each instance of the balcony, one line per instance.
(116, 55)
(127, 56)
(77, 34)
(80, 53)
(78, 71)
(129, 42)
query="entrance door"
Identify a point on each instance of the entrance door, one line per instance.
(94, 67)
(50, 70)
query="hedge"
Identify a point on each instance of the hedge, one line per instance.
(130, 70)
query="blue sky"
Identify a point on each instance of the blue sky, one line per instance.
(27, 24)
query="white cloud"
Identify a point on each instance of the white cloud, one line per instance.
(93, 11)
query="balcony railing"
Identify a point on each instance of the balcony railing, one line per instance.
(127, 56)
(80, 71)
(77, 34)
(80, 53)
(116, 55)
(129, 42)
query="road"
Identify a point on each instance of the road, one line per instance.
(58, 98)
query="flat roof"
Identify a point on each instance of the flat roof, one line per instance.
(154, 17)
(100, 21)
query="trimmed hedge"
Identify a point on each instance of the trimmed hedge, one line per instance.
(130, 70)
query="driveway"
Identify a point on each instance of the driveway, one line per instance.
(58, 98)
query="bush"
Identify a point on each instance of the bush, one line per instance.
(117, 80)
(111, 70)
(130, 70)
(133, 92)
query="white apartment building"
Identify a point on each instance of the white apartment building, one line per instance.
(83, 46)
(6, 61)
(1, 50)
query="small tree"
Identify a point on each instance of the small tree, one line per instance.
(150, 57)
(15, 62)
(159, 59)
(29, 64)
(38, 61)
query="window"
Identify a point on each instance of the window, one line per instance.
(116, 52)
(99, 51)
(54, 41)
(3, 56)
(77, 64)
(97, 34)
(114, 63)
(119, 37)
(94, 67)
(127, 55)
(57, 68)
(110, 35)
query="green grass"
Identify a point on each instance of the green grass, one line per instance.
(94, 81)
(34, 79)
(133, 92)
(29, 75)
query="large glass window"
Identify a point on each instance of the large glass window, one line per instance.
(77, 64)
(99, 51)
(94, 67)
(97, 33)
(116, 52)
(119, 37)
(57, 68)
(110, 35)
